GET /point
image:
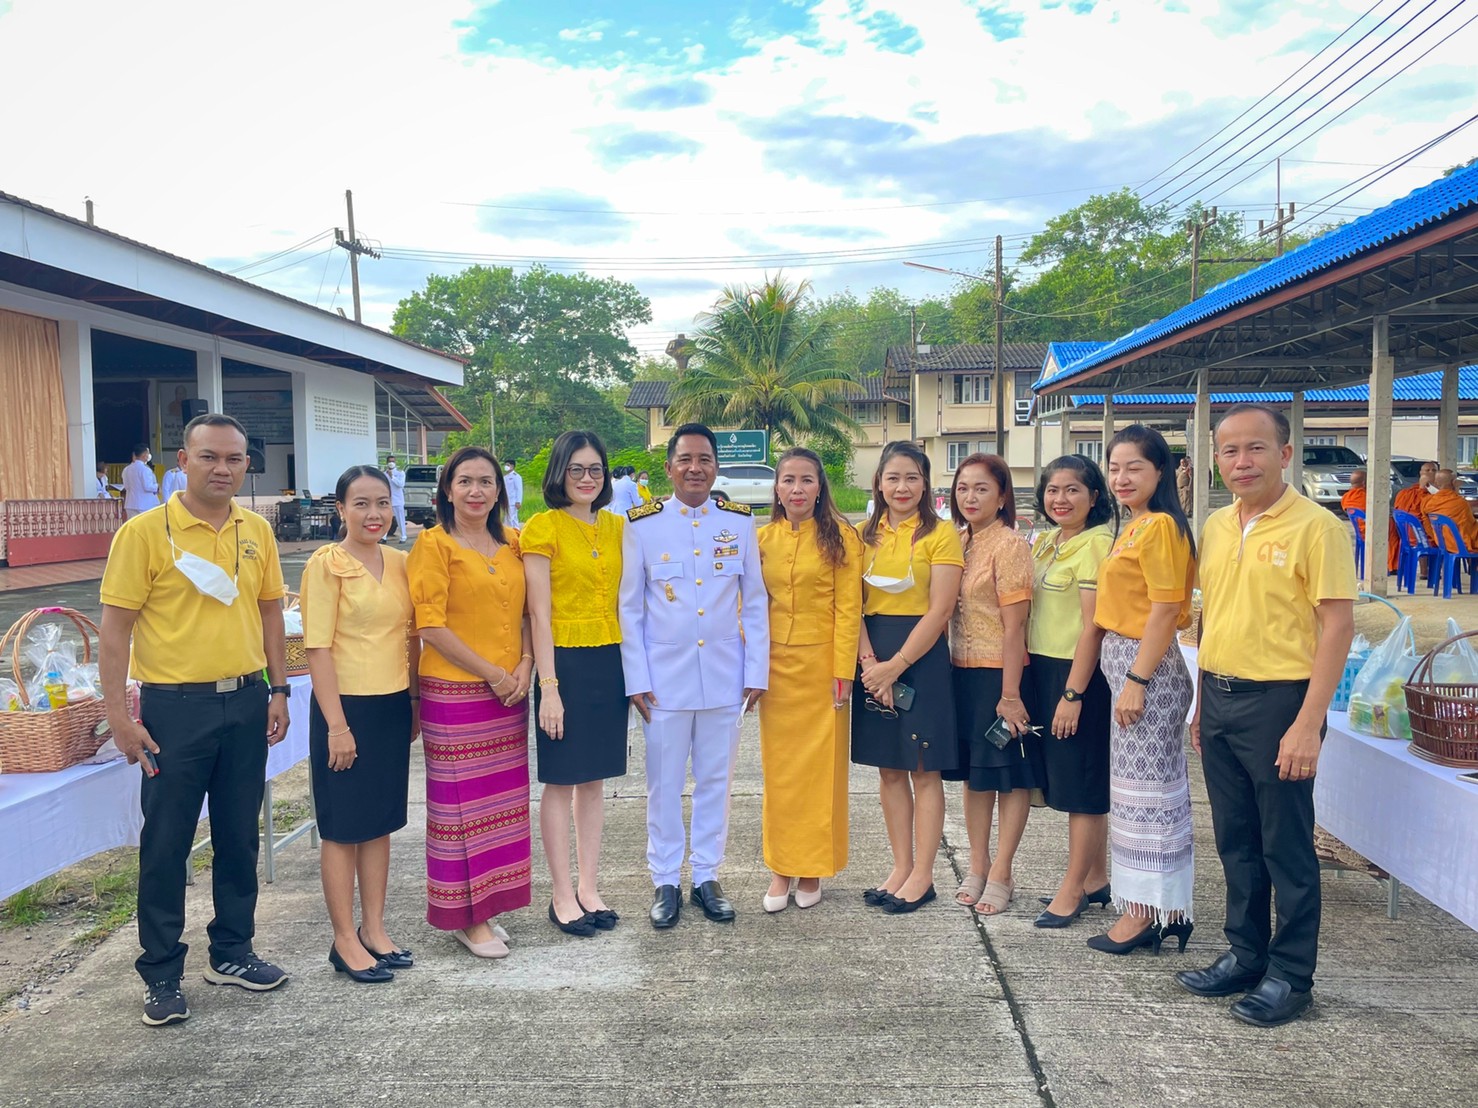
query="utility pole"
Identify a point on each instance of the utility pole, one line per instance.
(1276, 227)
(88, 201)
(355, 248)
(1196, 229)
(1000, 354)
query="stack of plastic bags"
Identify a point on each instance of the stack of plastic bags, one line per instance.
(52, 675)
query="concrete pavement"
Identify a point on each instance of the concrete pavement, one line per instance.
(838, 1005)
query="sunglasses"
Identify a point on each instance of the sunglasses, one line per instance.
(873, 706)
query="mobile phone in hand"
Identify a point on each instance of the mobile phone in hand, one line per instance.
(150, 763)
(902, 696)
(1470, 778)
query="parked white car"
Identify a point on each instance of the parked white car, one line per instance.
(747, 483)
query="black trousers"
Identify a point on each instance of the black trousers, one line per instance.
(210, 744)
(1264, 829)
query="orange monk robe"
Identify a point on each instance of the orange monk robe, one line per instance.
(1355, 498)
(1414, 500)
(1448, 502)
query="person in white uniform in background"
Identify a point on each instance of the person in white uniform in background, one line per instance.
(515, 490)
(397, 496)
(174, 481)
(140, 486)
(691, 671)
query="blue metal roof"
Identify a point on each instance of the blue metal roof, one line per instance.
(1424, 206)
(1422, 388)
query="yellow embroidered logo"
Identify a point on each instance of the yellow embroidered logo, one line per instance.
(1274, 552)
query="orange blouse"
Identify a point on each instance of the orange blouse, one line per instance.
(998, 572)
(455, 587)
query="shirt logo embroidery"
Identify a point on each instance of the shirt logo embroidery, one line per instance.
(726, 536)
(1274, 552)
(249, 549)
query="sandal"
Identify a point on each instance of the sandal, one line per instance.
(970, 889)
(996, 896)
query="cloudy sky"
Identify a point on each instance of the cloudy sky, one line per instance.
(684, 146)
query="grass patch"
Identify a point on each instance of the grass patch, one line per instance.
(30, 906)
(851, 499)
(287, 814)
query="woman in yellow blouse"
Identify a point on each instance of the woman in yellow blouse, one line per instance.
(467, 582)
(1144, 594)
(987, 646)
(903, 707)
(572, 560)
(812, 564)
(1069, 694)
(362, 656)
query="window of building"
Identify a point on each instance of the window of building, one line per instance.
(1090, 448)
(869, 413)
(959, 451)
(1321, 440)
(1467, 450)
(972, 388)
(900, 414)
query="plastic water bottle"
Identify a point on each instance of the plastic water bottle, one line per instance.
(56, 690)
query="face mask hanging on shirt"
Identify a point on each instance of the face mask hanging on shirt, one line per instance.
(888, 584)
(208, 578)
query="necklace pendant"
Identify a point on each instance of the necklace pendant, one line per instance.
(595, 553)
(492, 570)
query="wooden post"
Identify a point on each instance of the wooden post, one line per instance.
(1378, 463)
(1201, 453)
(1296, 437)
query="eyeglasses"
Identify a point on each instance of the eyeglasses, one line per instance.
(579, 472)
(873, 706)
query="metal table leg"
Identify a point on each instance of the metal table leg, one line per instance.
(270, 866)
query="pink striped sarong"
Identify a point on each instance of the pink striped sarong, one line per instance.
(478, 850)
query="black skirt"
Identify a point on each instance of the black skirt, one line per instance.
(367, 800)
(592, 687)
(922, 738)
(985, 767)
(1074, 772)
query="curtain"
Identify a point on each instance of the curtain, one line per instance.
(35, 459)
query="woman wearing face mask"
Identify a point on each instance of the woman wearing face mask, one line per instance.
(362, 656)
(812, 564)
(987, 644)
(1069, 693)
(643, 487)
(1144, 594)
(572, 557)
(910, 583)
(467, 581)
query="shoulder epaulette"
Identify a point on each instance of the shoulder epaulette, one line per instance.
(645, 510)
(738, 509)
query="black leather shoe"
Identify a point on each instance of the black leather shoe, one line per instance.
(1049, 918)
(1103, 897)
(875, 897)
(1224, 977)
(603, 918)
(667, 905)
(377, 974)
(394, 959)
(1272, 1003)
(897, 906)
(710, 897)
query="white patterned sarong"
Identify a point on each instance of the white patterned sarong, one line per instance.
(1150, 832)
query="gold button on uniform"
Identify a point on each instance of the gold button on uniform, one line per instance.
(718, 565)
(699, 581)
(700, 611)
(698, 552)
(700, 642)
(695, 523)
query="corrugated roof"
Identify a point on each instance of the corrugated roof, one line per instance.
(876, 393)
(1424, 388)
(1060, 354)
(1427, 205)
(958, 356)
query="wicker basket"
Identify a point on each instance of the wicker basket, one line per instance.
(1444, 718)
(297, 652)
(44, 742)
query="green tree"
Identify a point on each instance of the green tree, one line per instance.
(865, 329)
(545, 351)
(763, 361)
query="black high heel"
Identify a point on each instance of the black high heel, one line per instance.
(582, 927)
(393, 959)
(1102, 897)
(1049, 918)
(1150, 936)
(1181, 929)
(375, 975)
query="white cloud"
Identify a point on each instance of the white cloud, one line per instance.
(590, 33)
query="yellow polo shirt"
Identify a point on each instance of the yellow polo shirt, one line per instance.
(181, 636)
(897, 552)
(1260, 585)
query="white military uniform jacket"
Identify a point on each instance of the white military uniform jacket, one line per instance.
(685, 574)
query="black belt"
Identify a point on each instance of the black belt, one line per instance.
(1225, 684)
(225, 685)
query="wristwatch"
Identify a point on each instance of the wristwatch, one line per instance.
(285, 690)
(1072, 696)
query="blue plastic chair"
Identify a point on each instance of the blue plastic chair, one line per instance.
(1414, 547)
(1450, 562)
(1357, 517)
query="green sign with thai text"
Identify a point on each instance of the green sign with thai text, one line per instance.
(741, 446)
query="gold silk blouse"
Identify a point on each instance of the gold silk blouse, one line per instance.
(452, 588)
(584, 574)
(898, 553)
(998, 572)
(364, 624)
(812, 601)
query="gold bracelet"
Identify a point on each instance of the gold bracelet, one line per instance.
(545, 682)
(1011, 699)
(521, 657)
(500, 680)
(336, 734)
(900, 654)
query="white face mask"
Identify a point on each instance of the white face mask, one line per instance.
(642, 482)
(208, 578)
(888, 584)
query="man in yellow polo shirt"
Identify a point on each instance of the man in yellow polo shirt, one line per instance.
(1277, 609)
(196, 587)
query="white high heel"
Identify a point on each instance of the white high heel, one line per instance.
(804, 899)
(779, 903)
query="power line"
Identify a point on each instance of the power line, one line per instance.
(280, 253)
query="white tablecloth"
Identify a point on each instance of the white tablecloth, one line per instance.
(1411, 817)
(49, 821)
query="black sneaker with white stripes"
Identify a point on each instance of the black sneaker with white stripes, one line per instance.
(250, 972)
(164, 1003)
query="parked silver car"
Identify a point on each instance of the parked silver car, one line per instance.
(746, 483)
(420, 494)
(1327, 472)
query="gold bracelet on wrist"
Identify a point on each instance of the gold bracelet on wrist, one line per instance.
(904, 657)
(336, 734)
(500, 680)
(545, 682)
(521, 657)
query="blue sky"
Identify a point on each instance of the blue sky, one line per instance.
(688, 146)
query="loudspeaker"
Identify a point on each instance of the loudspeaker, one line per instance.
(256, 455)
(189, 409)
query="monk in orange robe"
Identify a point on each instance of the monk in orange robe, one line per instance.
(1414, 498)
(1355, 498)
(1446, 501)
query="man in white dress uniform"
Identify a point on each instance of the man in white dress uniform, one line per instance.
(692, 672)
(397, 496)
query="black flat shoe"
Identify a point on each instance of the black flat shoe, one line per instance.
(898, 906)
(1224, 977)
(375, 975)
(1102, 897)
(603, 918)
(581, 927)
(1052, 919)
(394, 959)
(710, 897)
(875, 897)
(667, 906)
(1272, 1004)
(1150, 936)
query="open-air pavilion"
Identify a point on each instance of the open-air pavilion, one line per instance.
(1390, 295)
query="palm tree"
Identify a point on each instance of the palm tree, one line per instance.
(762, 360)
